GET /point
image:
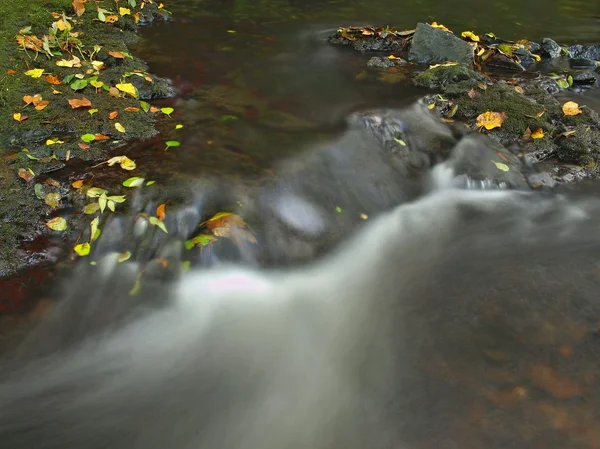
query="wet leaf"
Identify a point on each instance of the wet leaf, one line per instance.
(519, 89)
(154, 109)
(88, 138)
(101, 137)
(119, 127)
(78, 84)
(123, 161)
(111, 19)
(167, 111)
(172, 143)
(490, 120)
(52, 199)
(124, 11)
(470, 35)
(79, 103)
(160, 211)
(338, 209)
(178, 126)
(97, 84)
(124, 256)
(83, 146)
(128, 88)
(57, 224)
(537, 134)
(145, 106)
(149, 183)
(35, 73)
(20, 117)
(135, 181)
(40, 105)
(101, 14)
(440, 26)
(116, 54)
(132, 109)
(571, 108)
(31, 157)
(137, 287)
(501, 166)
(95, 192)
(472, 93)
(74, 62)
(83, 249)
(26, 173)
(52, 79)
(113, 114)
(562, 83)
(102, 202)
(39, 191)
(79, 7)
(114, 92)
(200, 240)
(91, 208)
(568, 133)
(446, 64)
(229, 225)
(77, 184)
(54, 142)
(94, 229)
(92, 111)
(156, 222)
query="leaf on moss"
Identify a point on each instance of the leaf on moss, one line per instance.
(490, 120)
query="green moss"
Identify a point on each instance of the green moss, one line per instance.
(451, 79)
(583, 147)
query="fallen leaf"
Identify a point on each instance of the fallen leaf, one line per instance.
(95, 192)
(88, 138)
(11, 72)
(52, 79)
(91, 208)
(111, 19)
(19, 117)
(520, 90)
(94, 229)
(113, 114)
(34, 73)
(168, 111)
(178, 126)
(57, 224)
(156, 222)
(135, 181)
(537, 134)
(568, 133)
(124, 11)
(154, 109)
(160, 211)
(83, 249)
(132, 109)
(41, 105)
(80, 103)
(472, 93)
(119, 127)
(74, 62)
(440, 26)
(77, 184)
(490, 120)
(123, 161)
(229, 225)
(26, 174)
(470, 35)
(128, 88)
(54, 142)
(84, 146)
(501, 166)
(52, 199)
(79, 7)
(171, 143)
(114, 92)
(571, 108)
(200, 240)
(101, 137)
(116, 54)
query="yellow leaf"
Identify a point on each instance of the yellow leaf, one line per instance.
(447, 64)
(35, 73)
(470, 35)
(490, 120)
(124, 161)
(83, 249)
(537, 134)
(75, 62)
(501, 166)
(119, 127)
(124, 11)
(20, 117)
(57, 224)
(571, 108)
(54, 142)
(128, 88)
(440, 26)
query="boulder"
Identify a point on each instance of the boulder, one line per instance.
(433, 46)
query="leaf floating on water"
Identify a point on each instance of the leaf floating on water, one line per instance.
(172, 143)
(57, 224)
(537, 134)
(94, 229)
(200, 240)
(77, 184)
(229, 225)
(124, 161)
(54, 142)
(178, 126)
(88, 138)
(167, 111)
(571, 108)
(501, 166)
(95, 192)
(52, 199)
(490, 120)
(83, 249)
(156, 222)
(135, 181)
(91, 208)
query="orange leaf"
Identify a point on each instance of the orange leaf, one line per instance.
(11, 72)
(41, 105)
(490, 120)
(83, 146)
(571, 108)
(52, 79)
(79, 7)
(101, 137)
(113, 114)
(25, 174)
(28, 99)
(80, 103)
(77, 184)
(160, 211)
(116, 54)
(132, 109)
(154, 109)
(111, 19)
(226, 224)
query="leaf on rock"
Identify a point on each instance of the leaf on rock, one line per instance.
(156, 222)
(52, 199)
(537, 134)
(80, 103)
(571, 108)
(123, 161)
(470, 35)
(91, 208)
(128, 88)
(160, 211)
(26, 173)
(74, 62)
(229, 225)
(501, 166)
(490, 120)
(57, 224)
(199, 240)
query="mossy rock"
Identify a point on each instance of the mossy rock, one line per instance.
(451, 79)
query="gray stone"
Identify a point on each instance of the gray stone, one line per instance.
(384, 63)
(551, 47)
(434, 46)
(583, 77)
(585, 51)
(583, 63)
(543, 179)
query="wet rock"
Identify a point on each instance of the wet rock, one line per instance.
(583, 147)
(486, 162)
(385, 63)
(376, 43)
(583, 63)
(31, 136)
(585, 51)
(540, 180)
(452, 79)
(433, 46)
(159, 88)
(551, 48)
(583, 77)
(503, 62)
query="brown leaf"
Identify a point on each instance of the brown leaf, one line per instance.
(79, 7)
(26, 174)
(11, 72)
(114, 92)
(80, 103)
(229, 225)
(83, 146)
(160, 211)
(52, 79)
(558, 386)
(116, 54)
(101, 137)
(132, 109)
(41, 105)
(113, 114)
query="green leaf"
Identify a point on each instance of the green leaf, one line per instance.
(156, 222)
(167, 111)
(501, 166)
(228, 118)
(32, 157)
(178, 126)
(199, 240)
(124, 256)
(97, 84)
(67, 79)
(91, 208)
(79, 84)
(149, 183)
(145, 106)
(52, 199)
(88, 137)
(83, 249)
(94, 229)
(135, 181)
(172, 143)
(95, 192)
(102, 202)
(57, 224)
(562, 83)
(116, 198)
(338, 209)
(39, 191)
(101, 14)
